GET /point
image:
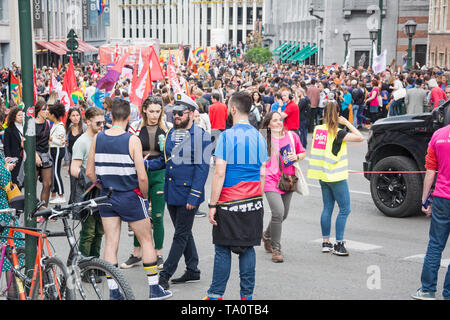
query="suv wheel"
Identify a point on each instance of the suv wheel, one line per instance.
(397, 195)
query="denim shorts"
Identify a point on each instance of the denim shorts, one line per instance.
(125, 204)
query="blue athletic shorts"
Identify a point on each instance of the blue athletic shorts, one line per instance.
(125, 204)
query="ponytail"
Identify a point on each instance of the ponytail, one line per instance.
(331, 117)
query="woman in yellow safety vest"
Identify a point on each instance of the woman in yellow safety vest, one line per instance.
(329, 165)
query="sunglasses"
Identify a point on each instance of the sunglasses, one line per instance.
(180, 113)
(157, 100)
(100, 123)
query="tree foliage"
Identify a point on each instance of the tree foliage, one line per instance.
(258, 55)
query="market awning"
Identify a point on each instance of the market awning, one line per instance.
(86, 47)
(82, 46)
(52, 47)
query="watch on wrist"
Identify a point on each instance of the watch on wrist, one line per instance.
(212, 206)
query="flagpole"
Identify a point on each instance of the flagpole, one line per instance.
(26, 54)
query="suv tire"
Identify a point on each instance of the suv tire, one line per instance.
(396, 195)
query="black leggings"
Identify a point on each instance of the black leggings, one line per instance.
(58, 156)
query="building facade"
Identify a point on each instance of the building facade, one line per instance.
(197, 23)
(439, 34)
(322, 23)
(290, 21)
(58, 17)
(9, 33)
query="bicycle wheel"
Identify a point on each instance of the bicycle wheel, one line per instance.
(56, 284)
(94, 285)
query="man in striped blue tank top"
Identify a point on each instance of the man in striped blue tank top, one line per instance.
(116, 160)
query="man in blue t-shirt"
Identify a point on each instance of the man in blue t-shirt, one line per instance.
(236, 203)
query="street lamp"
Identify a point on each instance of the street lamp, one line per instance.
(410, 30)
(346, 36)
(373, 37)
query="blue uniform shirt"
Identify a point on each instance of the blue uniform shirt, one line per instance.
(186, 159)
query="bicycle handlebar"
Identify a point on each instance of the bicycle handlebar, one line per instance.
(58, 210)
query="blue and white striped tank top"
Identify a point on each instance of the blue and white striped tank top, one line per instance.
(113, 163)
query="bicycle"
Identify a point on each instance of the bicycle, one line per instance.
(87, 273)
(50, 278)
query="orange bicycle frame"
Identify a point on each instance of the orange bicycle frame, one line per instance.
(37, 264)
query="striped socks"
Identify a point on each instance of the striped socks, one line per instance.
(112, 284)
(151, 270)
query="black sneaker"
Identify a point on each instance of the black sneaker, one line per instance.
(163, 282)
(339, 249)
(327, 247)
(131, 262)
(187, 277)
(200, 214)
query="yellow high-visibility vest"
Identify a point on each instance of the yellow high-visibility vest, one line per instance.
(323, 164)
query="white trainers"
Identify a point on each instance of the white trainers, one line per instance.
(60, 200)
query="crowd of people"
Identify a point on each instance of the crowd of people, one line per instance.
(136, 150)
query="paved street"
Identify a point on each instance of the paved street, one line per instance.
(385, 259)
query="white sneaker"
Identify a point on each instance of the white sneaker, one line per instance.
(61, 200)
(54, 200)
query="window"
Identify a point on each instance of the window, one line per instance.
(444, 14)
(434, 15)
(441, 61)
(4, 54)
(4, 16)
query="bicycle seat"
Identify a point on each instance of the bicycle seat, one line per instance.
(43, 213)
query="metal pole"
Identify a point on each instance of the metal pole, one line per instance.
(26, 54)
(380, 24)
(346, 51)
(372, 54)
(409, 60)
(48, 32)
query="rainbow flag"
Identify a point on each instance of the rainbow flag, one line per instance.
(198, 51)
(77, 95)
(101, 6)
(14, 88)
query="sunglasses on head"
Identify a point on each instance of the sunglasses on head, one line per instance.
(180, 113)
(157, 100)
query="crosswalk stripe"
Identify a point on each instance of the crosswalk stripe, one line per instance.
(444, 262)
(354, 245)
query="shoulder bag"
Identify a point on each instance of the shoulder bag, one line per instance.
(301, 187)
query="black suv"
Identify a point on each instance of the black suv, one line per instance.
(400, 144)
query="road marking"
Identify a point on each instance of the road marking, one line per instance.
(351, 191)
(444, 262)
(354, 245)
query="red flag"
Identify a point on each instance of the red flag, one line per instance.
(70, 81)
(155, 67)
(139, 84)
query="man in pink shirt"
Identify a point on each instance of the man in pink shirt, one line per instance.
(437, 159)
(313, 94)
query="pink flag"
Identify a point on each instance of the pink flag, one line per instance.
(173, 77)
